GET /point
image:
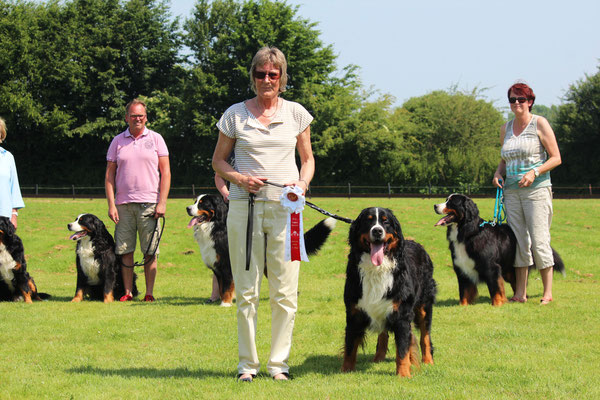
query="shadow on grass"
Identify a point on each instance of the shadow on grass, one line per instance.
(172, 301)
(453, 302)
(332, 365)
(181, 301)
(149, 372)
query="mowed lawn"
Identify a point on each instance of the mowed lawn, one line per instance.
(181, 347)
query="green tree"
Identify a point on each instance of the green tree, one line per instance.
(68, 70)
(550, 113)
(223, 36)
(577, 130)
(457, 137)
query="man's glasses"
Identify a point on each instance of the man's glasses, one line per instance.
(262, 75)
(137, 116)
(513, 100)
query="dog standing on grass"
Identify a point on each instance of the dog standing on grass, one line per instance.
(389, 286)
(481, 252)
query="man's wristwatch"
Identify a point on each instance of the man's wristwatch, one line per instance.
(536, 172)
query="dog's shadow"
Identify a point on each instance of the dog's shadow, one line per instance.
(454, 302)
(332, 364)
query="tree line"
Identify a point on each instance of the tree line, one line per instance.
(67, 69)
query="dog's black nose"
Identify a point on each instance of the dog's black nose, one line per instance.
(377, 232)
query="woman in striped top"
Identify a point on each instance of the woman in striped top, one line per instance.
(529, 152)
(264, 132)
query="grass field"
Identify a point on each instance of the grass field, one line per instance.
(180, 347)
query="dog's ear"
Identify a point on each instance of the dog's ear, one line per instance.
(471, 218)
(395, 225)
(98, 224)
(220, 209)
(354, 227)
(6, 226)
(396, 228)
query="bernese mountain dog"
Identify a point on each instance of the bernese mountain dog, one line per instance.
(98, 267)
(209, 220)
(481, 252)
(389, 285)
(15, 282)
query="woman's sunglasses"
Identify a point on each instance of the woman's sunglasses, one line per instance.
(262, 75)
(513, 100)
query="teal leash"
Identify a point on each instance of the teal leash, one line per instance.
(499, 208)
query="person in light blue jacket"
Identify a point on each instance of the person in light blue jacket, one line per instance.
(10, 193)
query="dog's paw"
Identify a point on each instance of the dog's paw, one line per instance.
(226, 304)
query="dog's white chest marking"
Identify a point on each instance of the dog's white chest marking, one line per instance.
(376, 283)
(461, 257)
(89, 265)
(206, 244)
(7, 263)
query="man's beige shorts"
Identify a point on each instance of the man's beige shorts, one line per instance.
(136, 218)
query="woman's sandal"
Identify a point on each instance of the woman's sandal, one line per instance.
(248, 378)
(543, 301)
(516, 299)
(286, 374)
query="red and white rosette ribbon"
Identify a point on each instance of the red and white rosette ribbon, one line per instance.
(292, 201)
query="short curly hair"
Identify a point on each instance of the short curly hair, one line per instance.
(273, 55)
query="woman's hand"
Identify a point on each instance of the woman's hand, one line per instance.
(527, 179)
(301, 183)
(498, 181)
(252, 184)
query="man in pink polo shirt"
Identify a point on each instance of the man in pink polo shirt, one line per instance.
(138, 172)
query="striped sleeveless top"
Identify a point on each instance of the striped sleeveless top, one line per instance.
(523, 153)
(266, 151)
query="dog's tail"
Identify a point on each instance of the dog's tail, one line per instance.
(43, 296)
(559, 265)
(317, 235)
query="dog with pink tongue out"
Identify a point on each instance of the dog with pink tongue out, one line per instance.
(389, 286)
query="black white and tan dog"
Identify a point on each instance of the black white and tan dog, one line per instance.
(98, 268)
(389, 286)
(209, 220)
(15, 282)
(481, 252)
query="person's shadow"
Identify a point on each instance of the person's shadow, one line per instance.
(149, 372)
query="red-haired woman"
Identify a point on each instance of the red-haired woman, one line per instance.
(529, 152)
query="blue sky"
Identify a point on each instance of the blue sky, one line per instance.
(410, 48)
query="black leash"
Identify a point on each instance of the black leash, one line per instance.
(315, 207)
(148, 253)
(249, 229)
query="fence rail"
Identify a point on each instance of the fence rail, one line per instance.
(348, 190)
